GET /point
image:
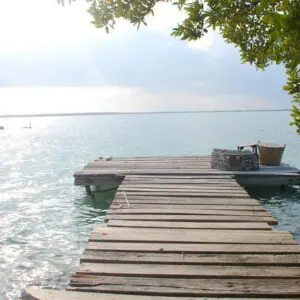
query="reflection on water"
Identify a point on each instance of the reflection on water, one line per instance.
(283, 204)
(93, 208)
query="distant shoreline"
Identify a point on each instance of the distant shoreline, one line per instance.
(135, 113)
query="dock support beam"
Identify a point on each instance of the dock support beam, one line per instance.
(88, 190)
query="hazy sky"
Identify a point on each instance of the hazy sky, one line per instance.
(53, 60)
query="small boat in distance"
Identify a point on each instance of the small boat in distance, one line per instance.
(27, 127)
(2, 127)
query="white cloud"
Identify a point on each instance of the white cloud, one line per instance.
(205, 43)
(35, 26)
(166, 17)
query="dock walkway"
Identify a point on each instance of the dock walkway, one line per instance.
(185, 236)
(110, 170)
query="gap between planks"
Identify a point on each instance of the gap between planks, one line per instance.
(187, 211)
(204, 194)
(192, 225)
(193, 218)
(161, 247)
(187, 271)
(116, 205)
(186, 200)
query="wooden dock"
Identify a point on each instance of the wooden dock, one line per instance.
(110, 170)
(183, 236)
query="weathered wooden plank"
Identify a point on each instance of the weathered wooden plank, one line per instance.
(194, 218)
(153, 235)
(164, 171)
(97, 180)
(182, 192)
(92, 256)
(184, 183)
(170, 163)
(187, 172)
(124, 172)
(160, 157)
(178, 187)
(187, 211)
(181, 177)
(194, 248)
(222, 186)
(149, 165)
(187, 194)
(133, 206)
(151, 161)
(47, 294)
(190, 233)
(209, 189)
(181, 183)
(181, 180)
(186, 200)
(195, 156)
(187, 271)
(189, 287)
(198, 225)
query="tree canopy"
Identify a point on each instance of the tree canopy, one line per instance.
(265, 31)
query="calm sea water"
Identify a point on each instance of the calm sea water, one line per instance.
(45, 221)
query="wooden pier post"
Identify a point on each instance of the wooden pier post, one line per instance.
(88, 190)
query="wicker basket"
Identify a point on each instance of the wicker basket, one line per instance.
(270, 154)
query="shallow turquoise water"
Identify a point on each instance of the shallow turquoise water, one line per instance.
(45, 220)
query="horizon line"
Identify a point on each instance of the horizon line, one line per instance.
(135, 113)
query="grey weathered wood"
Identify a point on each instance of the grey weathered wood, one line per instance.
(178, 220)
(92, 256)
(47, 294)
(133, 206)
(227, 177)
(187, 211)
(153, 235)
(149, 165)
(189, 287)
(189, 172)
(189, 233)
(207, 194)
(194, 218)
(178, 189)
(181, 188)
(97, 180)
(198, 225)
(187, 271)
(159, 157)
(182, 181)
(194, 248)
(168, 167)
(186, 200)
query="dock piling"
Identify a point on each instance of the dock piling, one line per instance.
(88, 190)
